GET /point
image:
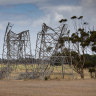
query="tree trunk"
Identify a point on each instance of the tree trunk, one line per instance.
(82, 65)
(95, 74)
(91, 74)
(82, 74)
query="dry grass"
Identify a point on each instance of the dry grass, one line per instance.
(57, 72)
(57, 87)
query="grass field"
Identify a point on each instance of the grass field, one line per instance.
(56, 74)
(56, 86)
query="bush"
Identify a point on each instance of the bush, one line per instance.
(46, 78)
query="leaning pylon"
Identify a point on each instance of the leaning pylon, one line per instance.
(48, 44)
(16, 49)
(16, 46)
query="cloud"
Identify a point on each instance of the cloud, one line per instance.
(40, 2)
(54, 10)
(88, 10)
(10, 2)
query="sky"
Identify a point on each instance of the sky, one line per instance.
(30, 14)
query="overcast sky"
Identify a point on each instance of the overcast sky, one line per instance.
(30, 14)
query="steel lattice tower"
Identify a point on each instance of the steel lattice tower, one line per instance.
(48, 45)
(16, 52)
(16, 46)
(47, 42)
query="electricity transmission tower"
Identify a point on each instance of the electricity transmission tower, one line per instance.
(16, 49)
(50, 42)
(16, 46)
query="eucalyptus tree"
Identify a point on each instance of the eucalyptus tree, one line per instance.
(93, 40)
(79, 40)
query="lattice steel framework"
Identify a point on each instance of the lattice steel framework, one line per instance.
(17, 56)
(48, 41)
(48, 45)
(16, 46)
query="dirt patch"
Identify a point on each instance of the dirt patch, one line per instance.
(48, 88)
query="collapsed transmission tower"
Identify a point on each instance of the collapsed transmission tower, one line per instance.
(50, 42)
(16, 53)
(16, 46)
